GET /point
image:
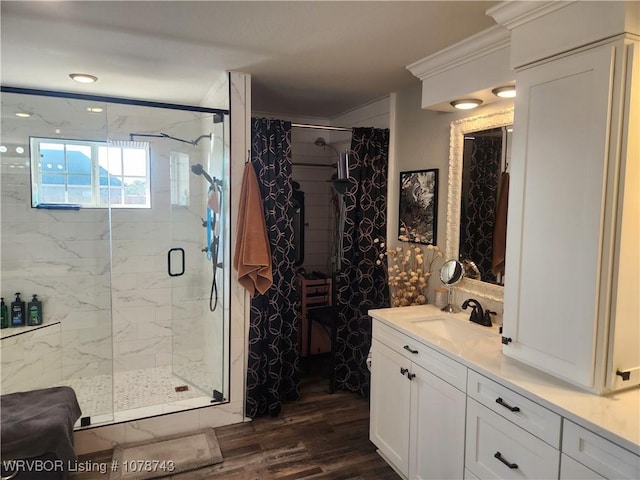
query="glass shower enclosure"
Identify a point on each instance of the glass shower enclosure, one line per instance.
(115, 214)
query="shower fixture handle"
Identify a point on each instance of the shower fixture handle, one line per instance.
(170, 255)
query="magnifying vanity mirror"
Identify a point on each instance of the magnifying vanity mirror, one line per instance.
(477, 196)
(451, 274)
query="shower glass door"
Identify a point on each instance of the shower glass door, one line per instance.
(56, 244)
(198, 265)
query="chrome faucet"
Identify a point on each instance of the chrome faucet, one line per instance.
(478, 315)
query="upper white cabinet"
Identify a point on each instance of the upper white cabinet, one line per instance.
(571, 301)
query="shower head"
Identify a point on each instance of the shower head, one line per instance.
(321, 142)
(198, 170)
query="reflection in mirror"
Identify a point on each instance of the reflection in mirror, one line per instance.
(451, 273)
(462, 178)
(470, 269)
(483, 203)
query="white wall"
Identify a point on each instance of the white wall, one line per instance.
(422, 142)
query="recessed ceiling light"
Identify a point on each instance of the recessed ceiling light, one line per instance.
(95, 109)
(23, 114)
(3, 149)
(466, 104)
(505, 92)
(19, 150)
(83, 77)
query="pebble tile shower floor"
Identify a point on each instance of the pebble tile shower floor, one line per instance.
(131, 389)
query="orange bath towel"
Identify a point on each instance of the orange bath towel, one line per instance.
(252, 257)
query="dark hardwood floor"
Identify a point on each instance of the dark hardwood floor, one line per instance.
(321, 436)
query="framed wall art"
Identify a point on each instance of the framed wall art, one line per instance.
(418, 217)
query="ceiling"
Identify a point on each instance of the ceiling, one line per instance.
(312, 59)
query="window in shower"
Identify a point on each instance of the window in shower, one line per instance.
(179, 178)
(90, 174)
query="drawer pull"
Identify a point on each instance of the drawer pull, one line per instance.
(409, 349)
(498, 455)
(411, 376)
(404, 371)
(507, 406)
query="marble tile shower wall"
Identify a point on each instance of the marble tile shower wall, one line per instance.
(64, 258)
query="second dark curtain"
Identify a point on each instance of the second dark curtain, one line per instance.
(361, 282)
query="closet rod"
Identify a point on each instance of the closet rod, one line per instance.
(320, 127)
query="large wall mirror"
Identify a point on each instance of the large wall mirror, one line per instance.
(478, 157)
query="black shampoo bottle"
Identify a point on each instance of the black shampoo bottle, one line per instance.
(4, 311)
(17, 312)
(34, 311)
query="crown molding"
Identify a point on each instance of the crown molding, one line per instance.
(514, 14)
(483, 43)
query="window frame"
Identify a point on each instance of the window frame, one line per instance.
(36, 173)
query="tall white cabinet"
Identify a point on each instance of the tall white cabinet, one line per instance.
(572, 306)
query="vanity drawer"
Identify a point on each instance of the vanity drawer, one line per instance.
(600, 455)
(440, 365)
(572, 470)
(541, 422)
(521, 455)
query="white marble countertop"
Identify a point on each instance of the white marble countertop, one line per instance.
(615, 417)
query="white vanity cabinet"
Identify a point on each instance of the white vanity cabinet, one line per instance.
(446, 410)
(417, 406)
(571, 303)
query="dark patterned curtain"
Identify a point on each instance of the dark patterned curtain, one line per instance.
(361, 282)
(272, 374)
(478, 216)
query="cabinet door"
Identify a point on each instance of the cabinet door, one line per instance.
(437, 428)
(556, 213)
(390, 402)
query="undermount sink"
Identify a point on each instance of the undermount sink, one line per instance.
(453, 329)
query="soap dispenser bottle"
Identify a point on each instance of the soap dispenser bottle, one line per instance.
(34, 311)
(17, 312)
(4, 315)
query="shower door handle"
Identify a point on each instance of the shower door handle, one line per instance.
(169, 261)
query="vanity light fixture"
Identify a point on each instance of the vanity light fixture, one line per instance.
(466, 104)
(505, 92)
(83, 77)
(23, 114)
